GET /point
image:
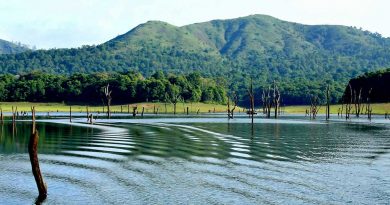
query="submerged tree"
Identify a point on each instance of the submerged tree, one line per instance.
(368, 106)
(235, 103)
(251, 112)
(327, 102)
(357, 100)
(107, 93)
(267, 102)
(314, 107)
(348, 103)
(33, 154)
(276, 100)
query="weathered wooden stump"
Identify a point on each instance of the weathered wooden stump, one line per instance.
(70, 113)
(33, 153)
(1, 116)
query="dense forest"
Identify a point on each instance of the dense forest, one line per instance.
(372, 86)
(127, 87)
(303, 58)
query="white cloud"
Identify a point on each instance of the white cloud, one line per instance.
(64, 23)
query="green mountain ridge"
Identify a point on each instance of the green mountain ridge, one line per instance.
(303, 58)
(7, 47)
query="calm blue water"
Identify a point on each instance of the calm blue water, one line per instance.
(199, 160)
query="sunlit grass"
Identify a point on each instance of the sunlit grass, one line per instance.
(381, 108)
(378, 108)
(149, 107)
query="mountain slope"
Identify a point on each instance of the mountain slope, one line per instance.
(10, 48)
(265, 43)
(299, 56)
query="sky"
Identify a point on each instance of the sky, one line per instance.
(73, 23)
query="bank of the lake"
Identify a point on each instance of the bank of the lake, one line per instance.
(377, 108)
(149, 107)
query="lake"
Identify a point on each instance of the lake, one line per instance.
(199, 160)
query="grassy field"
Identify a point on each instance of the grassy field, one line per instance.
(160, 107)
(381, 108)
(149, 107)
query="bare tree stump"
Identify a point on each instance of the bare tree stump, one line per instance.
(33, 153)
(70, 113)
(1, 116)
(107, 93)
(327, 102)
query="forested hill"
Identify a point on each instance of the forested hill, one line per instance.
(303, 58)
(11, 48)
(378, 82)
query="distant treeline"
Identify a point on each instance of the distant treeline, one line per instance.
(378, 82)
(126, 87)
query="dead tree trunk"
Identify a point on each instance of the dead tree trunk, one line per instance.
(314, 101)
(252, 101)
(235, 101)
(87, 113)
(348, 104)
(327, 102)
(1, 116)
(358, 102)
(70, 113)
(268, 101)
(263, 100)
(107, 93)
(13, 115)
(90, 118)
(228, 107)
(143, 110)
(33, 153)
(368, 107)
(276, 99)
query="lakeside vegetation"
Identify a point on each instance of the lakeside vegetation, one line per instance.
(127, 87)
(372, 85)
(378, 108)
(149, 107)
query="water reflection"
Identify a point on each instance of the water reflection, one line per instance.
(223, 163)
(53, 137)
(264, 141)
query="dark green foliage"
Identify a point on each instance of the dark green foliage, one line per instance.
(302, 58)
(128, 87)
(378, 81)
